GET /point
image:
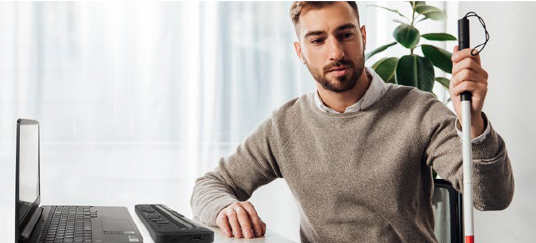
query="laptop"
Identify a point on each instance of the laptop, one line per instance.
(54, 224)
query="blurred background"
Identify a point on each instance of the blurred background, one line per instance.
(138, 99)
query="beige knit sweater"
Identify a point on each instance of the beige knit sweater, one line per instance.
(362, 176)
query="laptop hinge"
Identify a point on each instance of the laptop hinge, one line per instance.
(28, 229)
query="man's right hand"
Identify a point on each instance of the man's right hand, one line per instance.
(240, 219)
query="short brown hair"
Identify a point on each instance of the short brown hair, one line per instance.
(298, 6)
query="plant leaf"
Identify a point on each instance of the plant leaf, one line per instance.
(419, 3)
(431, 12)
(378, 50)
(439, 57)
(439, 37)
(416, 71)
(386, 69)
(443, 81)
(406, 35)
(388, 9)
(414, 4)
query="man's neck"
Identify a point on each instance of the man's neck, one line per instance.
(340, 101)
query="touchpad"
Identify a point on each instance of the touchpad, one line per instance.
(117, 226)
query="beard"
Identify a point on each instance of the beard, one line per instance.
(342, 83)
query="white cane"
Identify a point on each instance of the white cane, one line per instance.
(463, 43)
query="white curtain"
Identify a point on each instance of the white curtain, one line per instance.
(133, 80)
(138, 99)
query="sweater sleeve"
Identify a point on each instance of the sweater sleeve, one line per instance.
(252, 165)
(493, 181)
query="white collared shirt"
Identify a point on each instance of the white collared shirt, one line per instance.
(375, 92)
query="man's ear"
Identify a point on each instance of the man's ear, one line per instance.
(364, 36)
(297, 47)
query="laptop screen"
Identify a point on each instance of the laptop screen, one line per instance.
(27, 192)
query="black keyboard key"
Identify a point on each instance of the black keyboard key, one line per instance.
(68, 224)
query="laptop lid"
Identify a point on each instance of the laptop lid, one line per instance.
(27, 188)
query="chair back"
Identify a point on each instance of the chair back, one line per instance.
(447, 204)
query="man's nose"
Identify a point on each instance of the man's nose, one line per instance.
(336, 50)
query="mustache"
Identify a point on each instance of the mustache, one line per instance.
(342, 62)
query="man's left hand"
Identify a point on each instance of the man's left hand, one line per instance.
(468, 75)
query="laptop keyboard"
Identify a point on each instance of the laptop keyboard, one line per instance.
(68, 224)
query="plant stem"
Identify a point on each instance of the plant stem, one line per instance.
(412, 21)
(413, 15)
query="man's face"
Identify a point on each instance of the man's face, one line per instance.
(332, 45)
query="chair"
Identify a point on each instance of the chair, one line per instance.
(447, 204)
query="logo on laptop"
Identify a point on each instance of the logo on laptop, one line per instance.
(133, 238)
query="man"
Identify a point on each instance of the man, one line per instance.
(358, 153)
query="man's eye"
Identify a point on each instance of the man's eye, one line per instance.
(348, 35)
(317, 41)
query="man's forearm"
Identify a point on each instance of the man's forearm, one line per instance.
(209, 196)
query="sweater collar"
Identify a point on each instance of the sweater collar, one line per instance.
(375, 92)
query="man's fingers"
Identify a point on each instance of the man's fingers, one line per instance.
(254, 218)
(464, 75)
(467, 63)
(223, 222)
(235, 225)
(458, 55)
(263, 228)
(241, 220)
(245, 222)
(468, 75)
(468, 86)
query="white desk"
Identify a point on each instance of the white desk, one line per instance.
(269, 237)
(7, 229)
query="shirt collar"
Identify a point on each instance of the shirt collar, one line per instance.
(375, 91)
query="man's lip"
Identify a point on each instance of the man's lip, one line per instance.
(339, 72)
(338, 68)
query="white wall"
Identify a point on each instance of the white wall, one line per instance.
(509, 60)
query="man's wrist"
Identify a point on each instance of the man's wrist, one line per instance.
(477, 125)
(480, 138)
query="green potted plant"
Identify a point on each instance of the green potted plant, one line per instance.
(415, 70)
